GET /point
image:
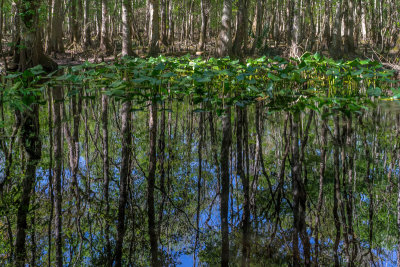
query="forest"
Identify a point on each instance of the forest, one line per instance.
(199, 133)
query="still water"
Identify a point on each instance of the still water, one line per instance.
(323, 186)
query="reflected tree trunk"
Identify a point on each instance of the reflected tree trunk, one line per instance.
(225, 182)
(124, 177)
(151, 184)
(106, 172)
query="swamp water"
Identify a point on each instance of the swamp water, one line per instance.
(321, 173)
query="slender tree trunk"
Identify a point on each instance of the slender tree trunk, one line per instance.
(240, 150)
(51, 189)
(151, 184)
(49, 25)
(33, 149)
(126, 28)
(123, 183)
(106, 172)
(336, 190)
(171, 24)
(257, 25)
(161, 160)
(311, 36)
(296, 29)
(322, 167)
(87, 40)
(199, 181)
(240, 43)
(299, 189)
(204, 20)
(74, 22)
(225, 36)
(225, 181)
(398, 194)
(105, 46)
(336, 46)
(154, 28)
(58, 159)
(57, 44)
(163, 20)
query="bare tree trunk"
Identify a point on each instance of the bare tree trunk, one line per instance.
(257, 25)
(33, 148)
(240, 43)
(87, 40)
(74, 22)
(241, 118)
(336, 190)
(225, 36)
(57, 44)
(225, 147)
(126, 29)
(49, 25)
(51, 188)
(58, 159)
(326, 34)
(105, 46)
(164, 38)
(199, 181)
(161, 160)
(311, 34)
(106, 172)
(151, 184)
(322, 167)
(299, 193)
(398, 194)
(123, 183)
(296, 30)
(350, 27)
(154, 28)
(171, 25)
(336, 46)
(204, 20)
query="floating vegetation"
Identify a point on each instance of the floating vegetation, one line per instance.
(311, 81)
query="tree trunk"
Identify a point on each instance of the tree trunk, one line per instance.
(58, 159)
(29, 54)
(151, 184)
(398, 193)
(105, 46)
(204, 20)
(199, 181)
(225, 181)
(240, 43)
(171, 24)
(126, 29)
(57, 45)
(164, 38)
(154, 35)
(241, 117)
(74, 22)
(106, 172)
(296, 30)
(123, 183)
(322, 167)
(225, 36)
(87, 40)
(33, 149)
(336, 46)
(257, 25)
(336, 190)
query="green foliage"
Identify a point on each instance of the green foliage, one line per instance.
(311, 81)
